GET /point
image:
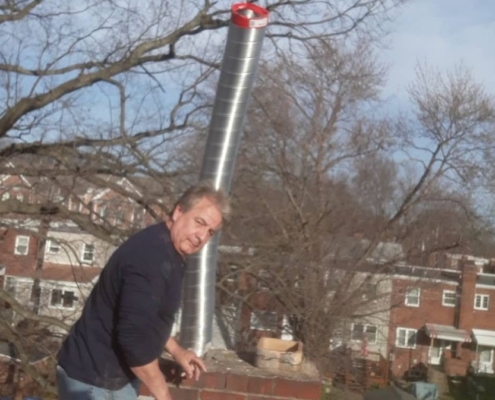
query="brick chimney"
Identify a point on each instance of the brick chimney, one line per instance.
(230, 378)
(467, 292)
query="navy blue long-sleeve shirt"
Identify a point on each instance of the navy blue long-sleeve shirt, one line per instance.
(129, 314)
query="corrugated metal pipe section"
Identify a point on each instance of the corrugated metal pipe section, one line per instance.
(240, 61)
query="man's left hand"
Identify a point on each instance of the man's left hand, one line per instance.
(190, 362)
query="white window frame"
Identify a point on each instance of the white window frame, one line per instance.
(365, 328)
(18, 238)
(10, 285)
(31, 294)
(5, 196)
(83, 259)
(49, 244)
(370, 291)
(119, 216)
(264, 277)
(445, 292)
(103, 212)
(232, 273)
(19, 197)
(407, 336)
(62, 293)
(482, 297)
(259, 319)
(406, 300)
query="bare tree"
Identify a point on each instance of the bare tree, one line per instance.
(317, 169)
(94, 92)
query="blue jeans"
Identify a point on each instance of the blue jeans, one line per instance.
(71, 389)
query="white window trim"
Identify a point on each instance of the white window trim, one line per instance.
(407, 335)
(443, 298)
(364, 332)
(17, 239)
(61, 306)
(5, 196)
(84, 251)
(406, 297)
(14, 286)
(49, 242)
(481, 302)
(102, 211)
(262, 321)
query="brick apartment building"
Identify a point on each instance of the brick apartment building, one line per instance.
(50, 264)
(443, 317)
(438, 315)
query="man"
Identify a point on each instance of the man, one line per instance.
(127, 319)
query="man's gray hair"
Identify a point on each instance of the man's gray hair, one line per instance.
(205, 189)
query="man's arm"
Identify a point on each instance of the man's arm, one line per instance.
(151, 375)
(192, 364)
(139, 336)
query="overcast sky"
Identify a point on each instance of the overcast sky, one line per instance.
(441, 33)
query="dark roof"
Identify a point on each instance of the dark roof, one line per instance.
(485, 279)
(57, 272)
(425, 272)
(345, 248)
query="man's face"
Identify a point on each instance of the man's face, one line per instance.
(191, 230)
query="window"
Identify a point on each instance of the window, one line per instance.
(20, 197)
(119, 217)
(5, 196)
(263, 280)
(360, 331)
(88, 252)
(35, 293)
(232, 274)
(52, 247)
(481, 302)
(449, 298)
(264, 320)
(370, 291)
(104, 212)
(21, 245)
(63, 298)
(412, 297)
(10, 285)
(406, 338)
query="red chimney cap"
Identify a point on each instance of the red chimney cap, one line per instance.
(241, 17)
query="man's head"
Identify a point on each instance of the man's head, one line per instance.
(196, 216)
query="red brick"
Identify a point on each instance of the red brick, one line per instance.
(214, 380)
(193, 383)
(177, 393)
(236, 383)
(183, 393)
(255, 397)
(215, 395)
(260, 386)
(297, 389)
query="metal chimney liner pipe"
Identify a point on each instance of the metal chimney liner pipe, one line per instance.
(239, 65)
